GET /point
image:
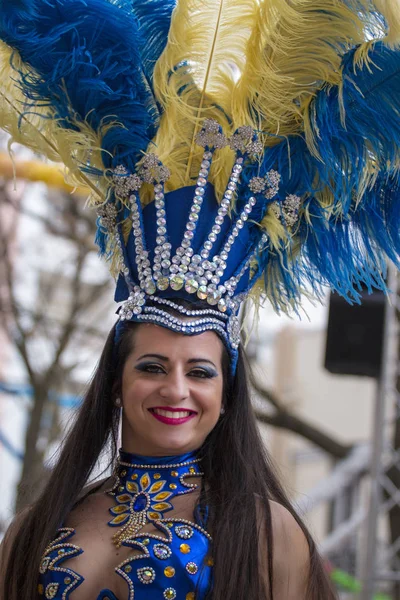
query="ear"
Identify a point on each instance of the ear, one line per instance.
(116, 390)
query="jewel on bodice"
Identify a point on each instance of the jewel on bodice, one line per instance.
(143, 492)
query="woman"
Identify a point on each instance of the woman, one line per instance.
(232, 152)
(238, 500)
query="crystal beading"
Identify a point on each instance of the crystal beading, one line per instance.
(180, 259)
(223, 209)
(234, 233)
(107, 214)
(233, 282)
(187, 311)
(288, 211)
(162, 250)
(268, 184)
(181, 326)
(142, 259)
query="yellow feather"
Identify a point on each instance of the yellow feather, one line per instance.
(30, 125)
(390, 9)
(194, 79)
(296, 46)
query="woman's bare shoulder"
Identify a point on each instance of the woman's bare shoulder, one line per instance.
(289, 538)
(291, 554)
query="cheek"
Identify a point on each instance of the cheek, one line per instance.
(135, 391)
(210, 401)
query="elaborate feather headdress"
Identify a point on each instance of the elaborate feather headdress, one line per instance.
(233, 148)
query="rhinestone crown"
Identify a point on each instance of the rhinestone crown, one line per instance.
(199, 274)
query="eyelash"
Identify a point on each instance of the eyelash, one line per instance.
(203, 374)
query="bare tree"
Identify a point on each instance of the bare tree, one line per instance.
(26, 325)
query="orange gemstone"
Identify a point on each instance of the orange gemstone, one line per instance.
(40, 589)
(145, 481)
(154, 515)
(156, 487)
(174, 473)
(119, 519)
(169, 571)
(190, 596)
(192, 568)
(157, 476)
(132, 487)
(120, 509)
(124, 498)
(210, 561)
(173, 486)
(162, 496)
(184, 548)
(161, 506)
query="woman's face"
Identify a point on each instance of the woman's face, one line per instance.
(171, 391)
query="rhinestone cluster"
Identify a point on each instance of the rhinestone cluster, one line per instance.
(288, 211)
(146, 575)
(211, 135)
(268, 185)
(244, 141)
(107, 214)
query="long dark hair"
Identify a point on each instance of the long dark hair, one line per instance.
(237, 470)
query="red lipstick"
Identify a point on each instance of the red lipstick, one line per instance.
(167, 419)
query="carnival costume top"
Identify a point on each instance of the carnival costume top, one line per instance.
(171, 560)
(234, 149)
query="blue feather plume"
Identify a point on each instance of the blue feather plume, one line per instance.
(154, 17)
(87, 66)
(344, 245)
(92, 61)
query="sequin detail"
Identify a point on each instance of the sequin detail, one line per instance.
(146, 575)
(144, 495)
(185, 532)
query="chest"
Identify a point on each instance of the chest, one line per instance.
(168, 558)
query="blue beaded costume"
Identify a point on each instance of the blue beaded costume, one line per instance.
(175, 562)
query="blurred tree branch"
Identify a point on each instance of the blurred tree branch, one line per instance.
(284, 419)
(25, 324)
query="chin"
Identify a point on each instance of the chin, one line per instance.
(175, 445)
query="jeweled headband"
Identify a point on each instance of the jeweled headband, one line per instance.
(244, 150)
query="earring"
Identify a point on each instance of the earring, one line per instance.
(118, 402)
(222, 411)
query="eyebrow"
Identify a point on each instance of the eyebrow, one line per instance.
(166, 359)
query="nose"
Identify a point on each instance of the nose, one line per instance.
(174, 386)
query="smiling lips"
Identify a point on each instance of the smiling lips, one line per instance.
(172, 416)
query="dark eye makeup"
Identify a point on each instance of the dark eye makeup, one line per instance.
(200, 372)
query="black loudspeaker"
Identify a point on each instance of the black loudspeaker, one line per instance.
(354, 339)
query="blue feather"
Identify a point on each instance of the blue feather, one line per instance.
(370, 98)
(343, 246)
(154, 17)
(92, 61)
(87, 66)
